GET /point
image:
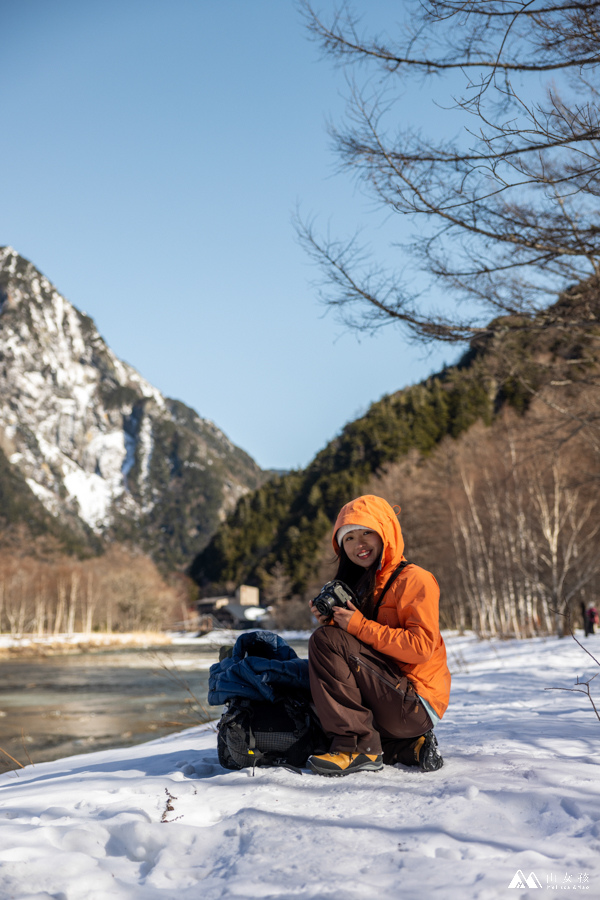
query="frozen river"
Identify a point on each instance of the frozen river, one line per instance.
(62, 705)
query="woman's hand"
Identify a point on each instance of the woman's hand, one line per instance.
(322, 620)
(340, 617)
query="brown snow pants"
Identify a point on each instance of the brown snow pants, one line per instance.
(361, 696)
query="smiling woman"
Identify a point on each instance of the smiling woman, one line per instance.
(362, 547)
(378, 670)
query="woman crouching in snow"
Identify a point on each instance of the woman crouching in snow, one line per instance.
(378, 674)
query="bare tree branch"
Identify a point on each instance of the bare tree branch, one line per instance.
(517, 190)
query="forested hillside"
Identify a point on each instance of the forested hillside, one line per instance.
(537, 389)
(287, 517)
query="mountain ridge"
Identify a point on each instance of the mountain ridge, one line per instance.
(102, 450)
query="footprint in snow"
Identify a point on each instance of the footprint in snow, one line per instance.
(200, 768)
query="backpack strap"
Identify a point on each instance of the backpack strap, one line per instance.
(388, 584)
(256, 755)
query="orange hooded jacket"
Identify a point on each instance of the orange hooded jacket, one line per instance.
(407, 627)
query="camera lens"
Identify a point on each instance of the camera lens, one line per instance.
(323, 604)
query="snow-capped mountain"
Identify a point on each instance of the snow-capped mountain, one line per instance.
(94, 440)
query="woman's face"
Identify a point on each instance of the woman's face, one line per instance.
(363, 546)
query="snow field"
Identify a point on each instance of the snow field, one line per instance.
(520, 790)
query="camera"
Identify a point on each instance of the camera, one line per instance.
(334, 593)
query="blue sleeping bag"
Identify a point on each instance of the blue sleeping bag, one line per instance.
(261, 667)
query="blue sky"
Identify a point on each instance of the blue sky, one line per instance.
(153, 156)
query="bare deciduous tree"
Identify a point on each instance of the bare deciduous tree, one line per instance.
(505, 214)
(278, 587)
(509, 527)
(525, 540)
(287, 610)
(119, 591)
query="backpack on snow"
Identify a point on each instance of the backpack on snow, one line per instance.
(254, 733)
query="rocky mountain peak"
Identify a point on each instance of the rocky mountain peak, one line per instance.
(96, 442)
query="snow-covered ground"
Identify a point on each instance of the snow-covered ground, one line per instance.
(519, 793)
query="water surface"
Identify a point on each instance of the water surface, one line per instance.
(62, 705)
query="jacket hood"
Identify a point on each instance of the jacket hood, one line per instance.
(377, 514)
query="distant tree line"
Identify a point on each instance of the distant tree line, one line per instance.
(118, 592)
(508, 519)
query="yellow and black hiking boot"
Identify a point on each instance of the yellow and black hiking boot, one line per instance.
(344, 763)
(426, 754)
